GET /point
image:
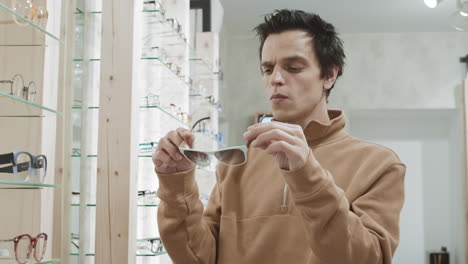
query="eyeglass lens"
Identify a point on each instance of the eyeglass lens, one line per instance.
(23, 165)
(40, 168)
(40, 247)
(199, 158)
(156, 246)
(17, 85)
(31, 91)
(231, 156)
(23, 249)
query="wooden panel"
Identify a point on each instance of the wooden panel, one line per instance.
(118, 134)
(465, 112)
(62, 198)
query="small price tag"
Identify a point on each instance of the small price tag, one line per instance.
(4, 253)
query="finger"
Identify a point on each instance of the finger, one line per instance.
(254, 131)
(165, 158)
(265, 139)
(171, 147)
(292, 152)
(186, 136)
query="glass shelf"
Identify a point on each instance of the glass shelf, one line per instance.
(80, 60)
(138, 255)
(142, 107)
(151, 255)
(92, 12)
(89, 156)
(159, 25)
(90, 107)
(7, 22)
(20, 107)
(200, 68)
(167, 113)
(49, 261)
(138, 205)
(167, 74)
(206, 101)
(86, 255)
(26, 185)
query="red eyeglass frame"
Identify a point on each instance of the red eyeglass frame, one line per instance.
(32, 246)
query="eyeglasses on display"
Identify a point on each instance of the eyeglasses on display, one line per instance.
(153, 5)
(148, 197)
(24, 166)
(18, 89)
(151, 100)
(154, 245)
(25, 246)
(37, 14)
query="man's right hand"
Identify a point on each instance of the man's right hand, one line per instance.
(167, 158)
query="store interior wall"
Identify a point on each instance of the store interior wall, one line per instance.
(404, 73)
(431, 147)
(398, 70)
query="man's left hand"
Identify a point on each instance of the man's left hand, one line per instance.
(285, 142)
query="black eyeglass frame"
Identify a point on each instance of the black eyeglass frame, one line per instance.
(36, 162)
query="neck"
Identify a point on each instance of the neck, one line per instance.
(319, 113)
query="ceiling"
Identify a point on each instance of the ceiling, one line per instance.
(348, 16)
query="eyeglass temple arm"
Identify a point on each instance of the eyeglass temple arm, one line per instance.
(6, 158)
(8, 169)
(198, 121)
(185, 140)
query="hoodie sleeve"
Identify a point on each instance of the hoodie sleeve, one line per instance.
(188, 233)
(364, 231)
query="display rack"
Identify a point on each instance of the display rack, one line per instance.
(30, 47)
(173, 84)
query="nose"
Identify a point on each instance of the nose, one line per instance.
(277, 77)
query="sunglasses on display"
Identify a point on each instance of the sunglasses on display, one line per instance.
(25, 246)
(24, 166)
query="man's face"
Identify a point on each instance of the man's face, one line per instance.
(291, 76)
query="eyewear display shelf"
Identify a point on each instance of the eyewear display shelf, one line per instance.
(29, 97)
(174, 88)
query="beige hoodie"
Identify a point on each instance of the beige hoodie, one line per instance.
(344, 208)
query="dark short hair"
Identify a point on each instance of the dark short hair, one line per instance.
(327, 45)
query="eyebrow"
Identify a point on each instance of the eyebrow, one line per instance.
(295, 58)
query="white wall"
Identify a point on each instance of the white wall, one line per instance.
(425, 141)
(385, 71)
(407, 70)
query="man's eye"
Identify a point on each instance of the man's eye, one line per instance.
(266, 71)
(294, 69)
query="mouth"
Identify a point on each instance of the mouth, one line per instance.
(278, 98)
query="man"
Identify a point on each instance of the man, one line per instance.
(309, 192)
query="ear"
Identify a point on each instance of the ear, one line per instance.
(330, 80)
